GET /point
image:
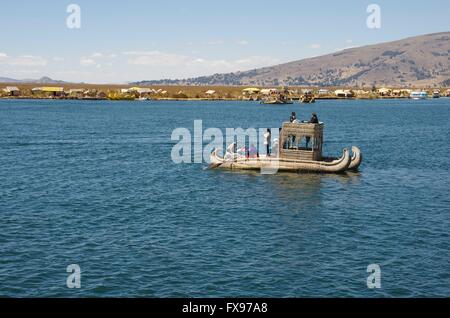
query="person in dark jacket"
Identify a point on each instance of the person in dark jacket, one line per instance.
(293, 117)
(314, 119)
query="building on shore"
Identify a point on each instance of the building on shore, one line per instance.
(49, 91)
(102, 95)
(269, 91)
(12, 91)
(384, 92)
(76, 93)
(210, 93)
(141, 91)
(401, 92)
(251, 91)
(322, 92)
(362, 93)
(344, 93)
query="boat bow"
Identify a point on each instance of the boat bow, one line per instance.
(356, 159)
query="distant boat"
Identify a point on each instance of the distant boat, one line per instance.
(436, 94)
(277, 101)
(419, 95)
(308, 98)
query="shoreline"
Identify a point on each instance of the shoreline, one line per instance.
(86, 92)
(198, 99)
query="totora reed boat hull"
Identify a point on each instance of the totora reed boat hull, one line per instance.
(338, 165)
(356, 159)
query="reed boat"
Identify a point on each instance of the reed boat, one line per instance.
(300, 150)
(308, 98)
(277, 102)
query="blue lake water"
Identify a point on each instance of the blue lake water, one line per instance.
(93, 184)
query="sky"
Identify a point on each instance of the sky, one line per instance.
(123, 41)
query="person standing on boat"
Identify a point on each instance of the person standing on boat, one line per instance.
(292, 119)
(267, 138)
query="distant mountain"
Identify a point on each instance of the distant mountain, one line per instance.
(8, 80)
(416, 61)
(42, 80)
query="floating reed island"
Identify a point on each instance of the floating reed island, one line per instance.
(274, 95)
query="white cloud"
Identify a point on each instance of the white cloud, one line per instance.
(161, 59)
(170, 65)
(216, 42)
(24, 72)
(314, 46)
(242, 42)
(87, 62)
(99, 55)
(349, 41)
(22, 60)
(344, 48)
(58, 59)
(156, 58)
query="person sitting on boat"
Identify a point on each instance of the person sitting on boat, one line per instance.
(314, 119)
(293, 117)
(267, 137)
(252, 152)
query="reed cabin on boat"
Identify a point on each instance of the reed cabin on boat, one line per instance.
(301, 141)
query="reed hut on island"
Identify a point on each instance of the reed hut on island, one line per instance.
(211, 93)
(269, 91)
(49, 91)
(385, 92)
(76, 93)
(251, 91)
(12, 91)
(141, 91)
(344, 93)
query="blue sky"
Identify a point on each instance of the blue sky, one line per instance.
(122, 41)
